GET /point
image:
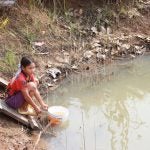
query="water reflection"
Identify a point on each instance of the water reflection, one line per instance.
(107, 112)
(118, 124)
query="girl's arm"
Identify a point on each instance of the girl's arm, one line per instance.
(29, 100)
(39, 98)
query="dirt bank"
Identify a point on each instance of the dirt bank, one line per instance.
(14, 136)
(82, 40)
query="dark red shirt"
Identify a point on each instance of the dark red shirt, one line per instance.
(19, 83)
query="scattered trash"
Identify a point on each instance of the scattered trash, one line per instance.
(38, 43)
(40, 48)
(8, 3)
(88, 54)
(55, 80)
(101, 56)
(50, 84)
(53, 72)
(94, 30)
(126, 46)
(74, 67)
(138, 52)
(137, 47)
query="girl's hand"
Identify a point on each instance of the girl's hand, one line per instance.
(38, 110)
(45, 106)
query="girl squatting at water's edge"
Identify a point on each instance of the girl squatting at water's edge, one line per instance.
(23, 87)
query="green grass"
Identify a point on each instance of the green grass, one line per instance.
(9, 62)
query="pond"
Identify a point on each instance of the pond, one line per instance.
(109, 109)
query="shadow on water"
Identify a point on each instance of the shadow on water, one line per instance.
(108, 108)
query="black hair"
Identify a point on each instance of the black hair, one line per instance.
(25, 62)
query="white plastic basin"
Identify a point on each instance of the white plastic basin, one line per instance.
(59, 112)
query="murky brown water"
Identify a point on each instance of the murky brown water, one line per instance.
(111, 113)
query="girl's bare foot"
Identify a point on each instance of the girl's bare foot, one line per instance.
(24, 107)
